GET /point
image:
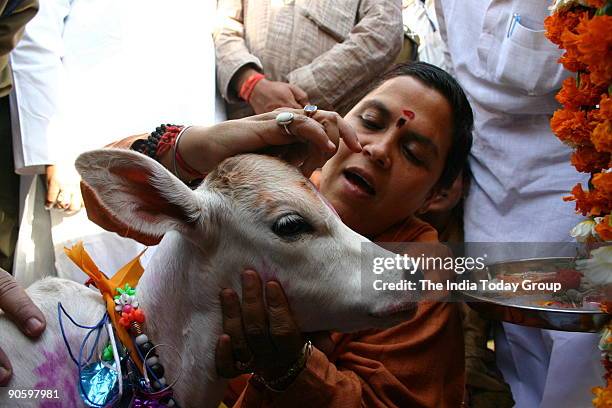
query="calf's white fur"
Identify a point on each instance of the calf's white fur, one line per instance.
(231, 222)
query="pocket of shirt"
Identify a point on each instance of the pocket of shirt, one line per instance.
(526, 60)
(333, 19)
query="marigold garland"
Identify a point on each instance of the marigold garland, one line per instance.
(583, 28)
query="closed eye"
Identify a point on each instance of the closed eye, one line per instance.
(369, 124)
(412, 157)
(291, 226)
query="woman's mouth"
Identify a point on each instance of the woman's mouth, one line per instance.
(359, 183)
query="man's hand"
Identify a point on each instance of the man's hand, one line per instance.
(269, 95)
(63, 190)
(20, 309)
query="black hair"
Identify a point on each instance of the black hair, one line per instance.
(462, 116)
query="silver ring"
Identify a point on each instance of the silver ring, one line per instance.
(284, 119)
(310, 110)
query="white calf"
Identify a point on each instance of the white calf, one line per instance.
(251, 212)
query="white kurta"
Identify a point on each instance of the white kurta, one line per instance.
(521, 172)
(88, 72)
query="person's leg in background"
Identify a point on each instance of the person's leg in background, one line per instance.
(9, 190)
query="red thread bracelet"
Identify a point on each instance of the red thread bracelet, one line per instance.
(167, 142)
(247, 87)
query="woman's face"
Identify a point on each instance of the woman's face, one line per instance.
(405, 130)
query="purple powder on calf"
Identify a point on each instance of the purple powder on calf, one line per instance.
(57, 373)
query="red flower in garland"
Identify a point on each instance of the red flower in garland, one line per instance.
(135, 315)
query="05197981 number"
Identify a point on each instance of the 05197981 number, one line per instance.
(33, 394)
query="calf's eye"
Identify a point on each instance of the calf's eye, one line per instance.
(291, 226)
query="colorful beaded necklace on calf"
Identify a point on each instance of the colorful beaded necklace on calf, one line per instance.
(139, 355)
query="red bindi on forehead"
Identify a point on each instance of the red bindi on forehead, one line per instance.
(408, 114)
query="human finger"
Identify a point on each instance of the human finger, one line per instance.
(19, 307)
(284, 332)
(63, 199)
(224, 358)
(254, 313)
(53, 190)
(300, 95)
(76, 203)
(232, 325)
(311, 131)
(337, 128)
(6, 370)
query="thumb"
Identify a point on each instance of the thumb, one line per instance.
(300, 95)
(19, 307)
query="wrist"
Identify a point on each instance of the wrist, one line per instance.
(248, 86)
(241, 76)
(279, 383)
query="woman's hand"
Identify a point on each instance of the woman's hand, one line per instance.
(63, 190)
(20, 309)
(309, 144)
(258, 336)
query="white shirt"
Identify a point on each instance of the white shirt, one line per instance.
(90, 72)
(510, 73)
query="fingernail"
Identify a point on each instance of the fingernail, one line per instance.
(33, 326)
(331, 146)
(4, 375)
(248, 280)
(273, 294)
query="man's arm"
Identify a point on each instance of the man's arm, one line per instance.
(370, 48)
(231, 51)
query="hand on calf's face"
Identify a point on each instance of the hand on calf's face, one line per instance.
(263, 334)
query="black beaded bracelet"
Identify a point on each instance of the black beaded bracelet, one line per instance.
(149, 145)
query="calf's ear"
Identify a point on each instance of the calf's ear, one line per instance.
(133, 195)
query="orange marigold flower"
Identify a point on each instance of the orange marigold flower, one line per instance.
(602, 136)
(588, 160)
(596, 3)
(603, 183)
(571, 127)
(556, 23)
(572, 96)
(590, 202)
(603, 397)
(604, 229)
(605, 109)
(594, 44)
(570, 60)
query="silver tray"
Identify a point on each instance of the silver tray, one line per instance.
(575, 320)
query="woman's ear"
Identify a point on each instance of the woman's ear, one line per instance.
(443, 199)
(133, 195)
